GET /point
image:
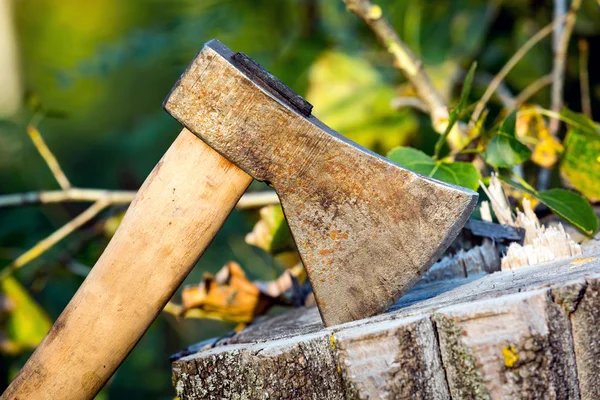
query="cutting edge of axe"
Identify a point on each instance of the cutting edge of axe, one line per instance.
(365, 227)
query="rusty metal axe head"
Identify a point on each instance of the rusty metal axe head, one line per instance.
(366, 228)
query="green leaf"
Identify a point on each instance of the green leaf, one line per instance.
(456, 173)
(580, 122)
(564, 203)
(505, 150)
(453, 117)
(572, 207)
(580, 164)
(26, 322)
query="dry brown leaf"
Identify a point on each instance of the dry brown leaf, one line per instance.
(228, 296)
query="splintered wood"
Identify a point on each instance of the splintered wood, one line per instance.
(541, 244)
(530, 333)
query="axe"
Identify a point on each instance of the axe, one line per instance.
(366, 228)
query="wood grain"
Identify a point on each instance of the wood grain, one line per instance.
(514, 347)
(173, 218)
(585, 323)
(396, 359)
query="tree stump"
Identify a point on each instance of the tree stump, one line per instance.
(533, 333)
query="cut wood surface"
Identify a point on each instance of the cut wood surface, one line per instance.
(525, 334)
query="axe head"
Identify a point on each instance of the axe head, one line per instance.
(366, 228)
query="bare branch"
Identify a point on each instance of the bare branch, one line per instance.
(507, 67)
(584, 77)
(114, 197)
(529, 91)
(66, 196)
(502, 92)
(257, 199)
(561, 44)
(101, 199)
(410, 65)
(401, 102)
(560, 47)
(55, 237)
(47, 155)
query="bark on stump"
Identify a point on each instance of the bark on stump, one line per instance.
(532, 333)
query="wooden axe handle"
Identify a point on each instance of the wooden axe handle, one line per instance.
(175, 215)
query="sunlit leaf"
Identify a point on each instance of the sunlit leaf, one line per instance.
(271, 233)
(566, 204)
(579, 121)
(349, 95)
(580, 165)
(572, 207)
(505, 150)
(26, 322)
(532, 130)
(456, 173)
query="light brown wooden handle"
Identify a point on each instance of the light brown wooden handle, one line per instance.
(173, 218)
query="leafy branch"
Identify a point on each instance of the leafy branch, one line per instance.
(411, 66)
(500, 147)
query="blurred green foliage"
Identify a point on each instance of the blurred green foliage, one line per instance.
(104, 67)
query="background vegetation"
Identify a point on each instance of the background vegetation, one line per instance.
(92, 75)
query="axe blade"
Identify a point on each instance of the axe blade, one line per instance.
(366, 228)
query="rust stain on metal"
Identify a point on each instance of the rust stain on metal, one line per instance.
(366, 228)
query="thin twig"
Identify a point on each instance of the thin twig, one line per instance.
(257, 200)
(502, 92)
(410, 65)
(584, 77)
(47, 155)
(100, 198)
(560, 47)
(529, 91)
(507, 67)
(71, 195)
(114, 197)
(401, 102)
(55, 237)
(560, 57)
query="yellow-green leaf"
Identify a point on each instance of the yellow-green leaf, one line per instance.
(350, 95)
(26, 323)
(579, 121)
(580, 164)
(456, 173)
(572, 207)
